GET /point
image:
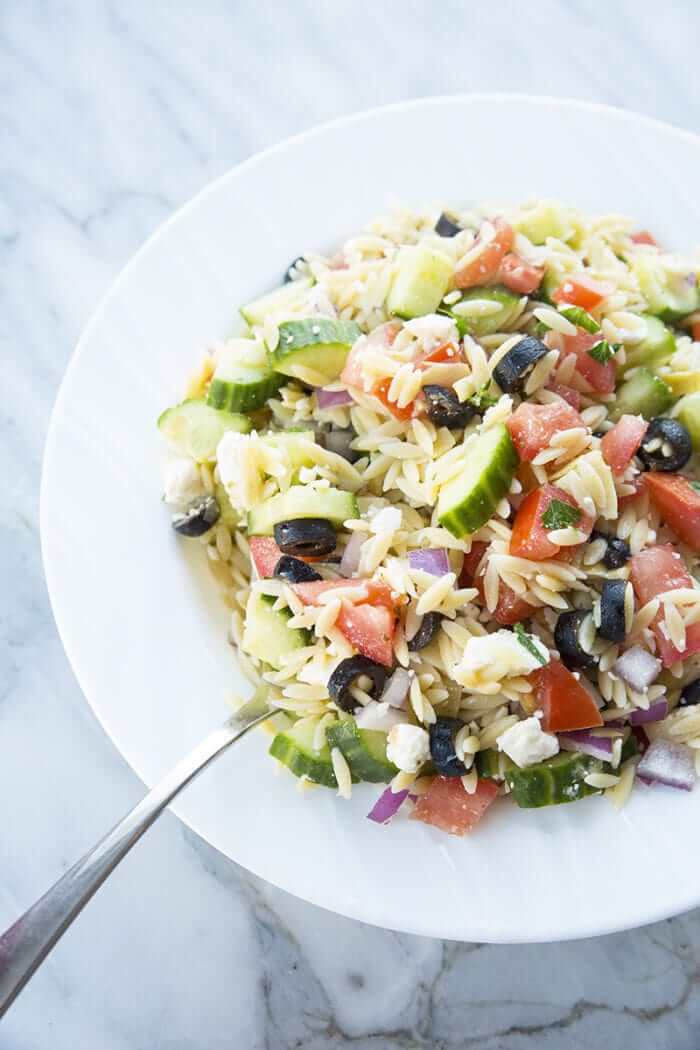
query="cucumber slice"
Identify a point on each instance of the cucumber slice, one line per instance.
(687, 411)
(301, 501)
(239, 388)
(496, 322)
(655, 349)
(194, 428)
(643, 394)
(492, 764)
(229, 516)
(316, 346)
(542, 221)
(364, 751)
(266, 635)
(294, 443)
(422, 278)
(670, 296)
(294, 748)
(685, 382)
(558, 780)
(467, 501)
(275, 303)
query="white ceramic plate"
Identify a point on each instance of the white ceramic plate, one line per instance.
(141, 622)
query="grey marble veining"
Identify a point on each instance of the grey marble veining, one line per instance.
(111, 115)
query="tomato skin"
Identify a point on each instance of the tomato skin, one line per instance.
(510, 608)
(369, 625)
(520, 276)
(695, 331)
(654, 571)
(471, 564)
(643, 237)
(532, 426)
(486, 266)
(446, 353)
(620, 444)
(565, 703)
(448, 806)
(376, 593)
(265, 554)
(530, 538)
(381, 392)
(601, 377)
(581, 290)
(571, 396)
(678, 503)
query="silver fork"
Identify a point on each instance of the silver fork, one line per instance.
(25, 944)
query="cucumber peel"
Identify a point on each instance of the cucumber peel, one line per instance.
(364, 750)
(194, 428)
(314, 348)
(467, 501)
(422, 278)
(302, 501)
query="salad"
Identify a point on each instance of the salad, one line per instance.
(447, 479)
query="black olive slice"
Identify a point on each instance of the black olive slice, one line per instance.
(442, 747)
(666, 445)
(690, 695)
(444, 407)
(295, 571)
(345, 674)
(295, 270)
(305, 537)
(446, 226)
(198, 517)
(612, 611)
(514, 367)
(567, 638)
(426, 632)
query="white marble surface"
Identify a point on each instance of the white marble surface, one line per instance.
(112, 116)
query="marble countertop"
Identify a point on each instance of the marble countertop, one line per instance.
(113, 114)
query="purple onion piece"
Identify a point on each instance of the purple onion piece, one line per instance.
(667, 763)
(638, 668)
(430, 559)
(654, 713)
(387, 805)
(350, 561)
(332, 398)
(584, 741)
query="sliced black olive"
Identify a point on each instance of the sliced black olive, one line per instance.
(426, 632)
(514, 367)
(295, 270)
(617, 551)
(345, 674)
(567, 638)
(612, 611)
(690, 695)
(666, 445)
(446, 226)
(295, 571)
(305, 537)
(442, 747)
(198, 518)
(444, 407)
(338, 439)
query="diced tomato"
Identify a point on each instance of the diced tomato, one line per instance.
(533, 426)
(448, 806)
(530, 538)
(643, 237)
(626, 501)
(654, 571)
(446, 353)
(520, 276)
(368, 625)
(471, 564)
(571, 396)
(485, 266)
(382, 336)
(373, 592)
(511, 608)
(620, 444)
(678, 503)
(601, 377)
(695, 331)
(565, 703)
(381, 392)
(582, 290)
(265, 554)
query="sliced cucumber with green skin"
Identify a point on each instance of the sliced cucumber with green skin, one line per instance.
(294, 748)
(553, 782)
(687, 411)
(543, 221)
(467, 501)
(364, 750)
(670, 296)
(241, 388)
(229, 516)
(643, 394)
(496, 322)
(492, 764)
(422, 278)
(655, 349)
(301, 501)
(194, 428)
(266, 635)
(316, 345)
(275, 303)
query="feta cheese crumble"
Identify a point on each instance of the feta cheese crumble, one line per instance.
(182, 483)
(408, 747)
(490, 658)
(526, 743)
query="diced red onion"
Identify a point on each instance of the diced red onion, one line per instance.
(350, 561)
(667, 763)
(654, 713)
(430, 559)
(637, 667)
(584, 741)
(332, 398)
(387, 805)
(396, 689)
(379, 716)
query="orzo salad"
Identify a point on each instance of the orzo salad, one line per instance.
(447, 478)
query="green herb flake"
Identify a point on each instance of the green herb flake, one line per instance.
(560, 515)
(527, 643)
(580, 317)
(481, 400)
(603, 351)
(695, 485)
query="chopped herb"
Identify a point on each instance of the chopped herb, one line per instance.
(603, 351)
(527, 643)
(580, 317)
(695, 485)
(481, 400)
(560, 515)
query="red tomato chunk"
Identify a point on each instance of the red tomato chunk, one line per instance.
(653, 572)
(678, 503)
(533, 426)
(566, 704)
(581, 290)
(530, 537)
(448, 806)
(485, 266)
(620, 444)
(520, 276)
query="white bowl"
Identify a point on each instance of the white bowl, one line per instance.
(141, 620)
